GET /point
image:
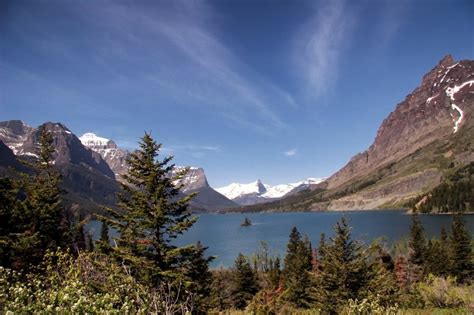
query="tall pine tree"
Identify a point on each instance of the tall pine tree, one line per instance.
(245, 284)
(152, 214)
(33, 210)
(417, 242)
(103, 244)
(461, 251)
(344, 271)
(296, 270)
(44, 196)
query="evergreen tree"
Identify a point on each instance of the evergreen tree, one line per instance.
(443, 236)
(103, 244)
(44, 195)
(151, 216)
(322, 244)
(196, 273)
(382, 284)
(245, 284)
(344, 271)
(89, 243)
(437, 258)
(104, 233)
(274, 273)
(461, 250)
(79, 237)
(33, 211)
(221, 289)
(417, 242)
(14, 224)
(296, 270)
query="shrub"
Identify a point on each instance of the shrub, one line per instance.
(90, 283)
(445, 293)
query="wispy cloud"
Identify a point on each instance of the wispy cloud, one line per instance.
(291, 152)
(186, 60)
(156, 53)
(320, 44)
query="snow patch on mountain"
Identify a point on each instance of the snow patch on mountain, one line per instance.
(450, 92)
(91, 140)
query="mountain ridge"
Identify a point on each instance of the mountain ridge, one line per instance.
(90, 166)
(426, 135)
(258, 192)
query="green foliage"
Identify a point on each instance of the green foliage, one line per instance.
(151, 215)
(296, 270)
(350, 274)
(454, 194)
(417, 243)
(371, 305)
(196, 269)
(103, 244)
(344, 273)
(245, 284)
(437, 258)
(221, 289)
(33, 219)
(89, 283)
(445, 293)
(460, 251)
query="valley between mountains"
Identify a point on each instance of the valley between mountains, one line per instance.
(425, 144)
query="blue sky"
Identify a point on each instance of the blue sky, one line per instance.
(276, 90)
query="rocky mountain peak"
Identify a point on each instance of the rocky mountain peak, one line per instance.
(436, 109)
(261, 188)
(13, 133)
(16, 127)
(115, 157)
(194, 179)
(447, 61)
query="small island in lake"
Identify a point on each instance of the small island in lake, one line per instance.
(246, 222)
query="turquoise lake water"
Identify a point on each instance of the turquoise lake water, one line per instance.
(225, 238)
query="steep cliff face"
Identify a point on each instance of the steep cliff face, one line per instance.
(207, 199)
(428, 135)
(115, 157)
(86, 177)
(8, 161)
(431, 112)
(192, 180)
(13, 133)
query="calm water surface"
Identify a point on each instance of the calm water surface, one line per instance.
(225, 237)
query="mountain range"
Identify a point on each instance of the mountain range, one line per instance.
(428, 136)
(92, 166)
(258, 192)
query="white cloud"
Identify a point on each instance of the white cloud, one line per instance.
(290, 152)
(319, 46)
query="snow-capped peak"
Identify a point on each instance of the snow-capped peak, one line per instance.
(236, 190)
(91, 140)
(279, 191)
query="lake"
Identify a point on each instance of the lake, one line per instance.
(225, 238)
